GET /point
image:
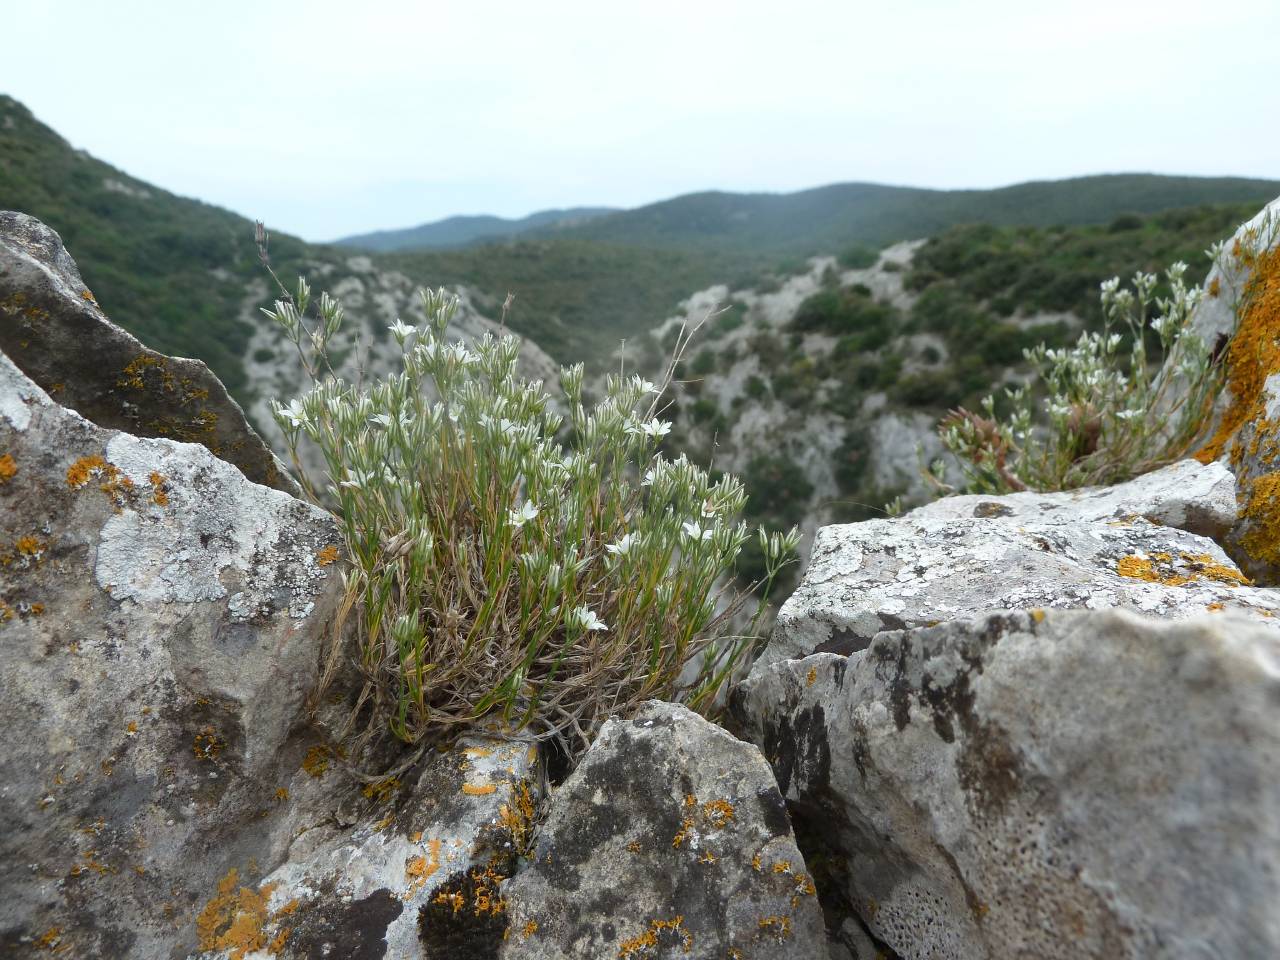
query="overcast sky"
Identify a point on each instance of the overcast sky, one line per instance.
(326, 119)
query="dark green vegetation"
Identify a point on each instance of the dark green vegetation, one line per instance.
(844, 216)
(983, 294)
(461, 231)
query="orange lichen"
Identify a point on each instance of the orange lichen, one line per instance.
(1214, 607)
(282, 794)
(643, 944)
(478, 789)
(30, 547)
(382, 790)
(1261, 509)
(131, 728)
(8, 468)
(1162, 568)
(1215, 287)
(634, 846)
(159, 494)
(420, 869)
(316, 762)
(1254, 351)
(718, 812)
(327, 555)
(207, 744)
(235, 919)
(812, 677)
(529, 929)
(779, 926)
(50, 939)
(84, 470)
(517, 816)
(1037, 615)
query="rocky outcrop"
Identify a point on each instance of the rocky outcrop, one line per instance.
(407, 866)
(669, 839)
(160, 624)
(1071, 784)
(53, 329)
(963, 556)
(1242, 299)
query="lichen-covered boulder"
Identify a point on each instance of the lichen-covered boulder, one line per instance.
(54, 330)
(1242, 299)
(964, 556)
(1083, 784)
(670, 839)
(407, 866)
(161, 622)
(1187, 495)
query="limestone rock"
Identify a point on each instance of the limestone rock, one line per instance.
(410, 866)
(964, 556)
(1242, 298)
(670, 839)
(1085, 784)
(54, 330)
(161, 620)
(1188, 495)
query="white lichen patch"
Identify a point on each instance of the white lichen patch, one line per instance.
(218, 536)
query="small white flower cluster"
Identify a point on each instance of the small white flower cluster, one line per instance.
(499, 563)
(1110, 415)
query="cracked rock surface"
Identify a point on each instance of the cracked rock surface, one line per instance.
(161, 620)
(964, 556)
(1074, 784)
(670, 839)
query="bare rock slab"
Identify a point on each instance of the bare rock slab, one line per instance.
(53, 329)
(1083, 784)
(670, 839)
(965, 556)
(161, 622)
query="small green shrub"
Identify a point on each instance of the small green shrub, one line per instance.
(499, 571)
(1111, 415)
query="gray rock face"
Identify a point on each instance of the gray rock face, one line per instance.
(53, 329)
(1084, 784)
(964, 556)
(161, 620)
(669, 840)
(1242, 299)
(411, 866)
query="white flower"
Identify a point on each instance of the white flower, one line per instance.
(620, 548)
(646, 386)
(654, 429)
(697, 533)
(401, 330)
(381, 419)
(294, 412)
(587, 619)
(358, 479)
(648, 478)
(519, 518)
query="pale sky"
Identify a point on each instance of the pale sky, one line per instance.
(326, 119)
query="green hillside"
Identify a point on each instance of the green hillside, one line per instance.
(831, 218)
(462, 231)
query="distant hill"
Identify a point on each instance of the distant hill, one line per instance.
(828, 219)
(184, 275)
(463, 231)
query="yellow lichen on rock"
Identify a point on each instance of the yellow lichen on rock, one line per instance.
(1253, 354)
(8, 468)
(235, 919)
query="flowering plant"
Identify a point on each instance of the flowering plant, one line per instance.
(505, 562)
(1109, 413)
